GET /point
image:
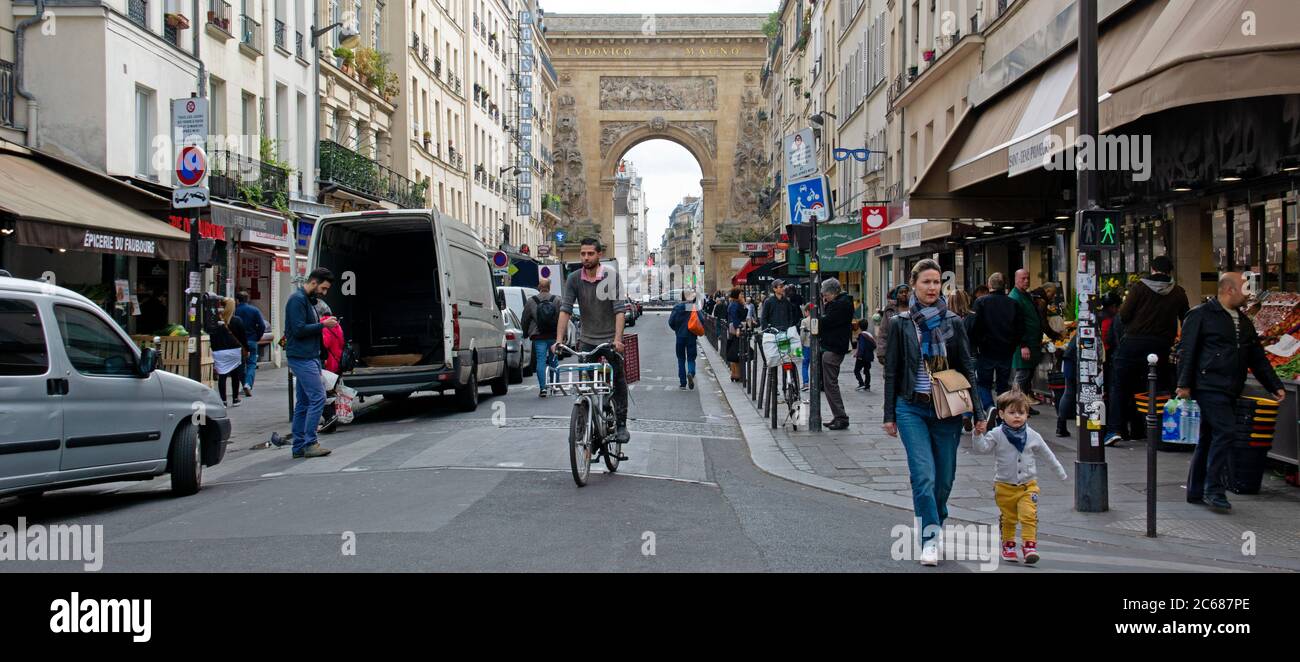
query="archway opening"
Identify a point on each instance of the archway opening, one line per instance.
(659, 218)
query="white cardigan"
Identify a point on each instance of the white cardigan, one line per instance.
(1013, 466)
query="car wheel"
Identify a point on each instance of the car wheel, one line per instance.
(185, 461)
(467, 395)
(516, 376)
(501, 385)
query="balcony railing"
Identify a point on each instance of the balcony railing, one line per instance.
(343, 167)
(424, 54)
(6, 93)
(415, 40)
(297, 46)
(219, 13)
(138, 12)
(454, 81)
(233, 175)
(437, 67)
(281, 35)
(171, 35)
(251, 33)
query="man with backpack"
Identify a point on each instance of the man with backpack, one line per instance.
(541, 318)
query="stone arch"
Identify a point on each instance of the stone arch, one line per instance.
(692, 144)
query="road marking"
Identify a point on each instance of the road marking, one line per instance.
(510, 465)
(273, 474)
(350, 469)
(344, 456)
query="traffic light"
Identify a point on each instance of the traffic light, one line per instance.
(1098, 229)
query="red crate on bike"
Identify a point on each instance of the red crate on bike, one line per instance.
(631, 358)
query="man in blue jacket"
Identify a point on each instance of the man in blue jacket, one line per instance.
(679, 322)
(255, 324)
(302, 332)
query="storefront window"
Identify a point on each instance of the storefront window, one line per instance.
(1130, 251)
(1220, 237)
(1291, 254)
(1242, 242)
(1158, 246)
(1143, 249)
(1273, 244)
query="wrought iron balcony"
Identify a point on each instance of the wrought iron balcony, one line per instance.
(437, 67)
(138, 12)
(343, 167)
(297, 45)
(237, 177)
(415, 40)
(219, 13)
(281, 35)
(251, 33)
(424, 53)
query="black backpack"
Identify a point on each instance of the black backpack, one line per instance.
(548, 316)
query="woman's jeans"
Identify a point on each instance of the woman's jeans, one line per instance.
(686, 352)
(807, 356)
(931, 446)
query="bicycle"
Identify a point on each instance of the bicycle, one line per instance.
(592, 423)
(789, 379)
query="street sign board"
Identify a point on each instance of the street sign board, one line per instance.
(800, 158)
(807, 199)
(189, 137)
(560, 236)
(500, 259)
(543, 250)
(1098, 229)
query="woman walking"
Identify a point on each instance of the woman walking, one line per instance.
(736, 315)
(924, 340)
(228, 352)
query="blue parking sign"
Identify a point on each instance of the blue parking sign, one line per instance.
(806, 199)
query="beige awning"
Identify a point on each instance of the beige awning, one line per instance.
(56, 211)
(930, 229)
(1165, 54)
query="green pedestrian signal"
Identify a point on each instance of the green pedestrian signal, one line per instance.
(1096, 229)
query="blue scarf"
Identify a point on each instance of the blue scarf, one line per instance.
(930, 318)
(1018, 438)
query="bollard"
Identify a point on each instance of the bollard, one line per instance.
(1153, 439)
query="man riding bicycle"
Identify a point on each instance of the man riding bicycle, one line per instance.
(599, 294)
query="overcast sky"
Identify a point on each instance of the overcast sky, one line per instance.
(659, 6)
(668, 171)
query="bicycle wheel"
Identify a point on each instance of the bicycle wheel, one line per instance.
(613, 450)
(580, 443)
(792, 398)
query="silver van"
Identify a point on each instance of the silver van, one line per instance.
(81, 404)
(413, 291)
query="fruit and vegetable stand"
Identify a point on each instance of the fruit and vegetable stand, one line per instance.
(174, 357)
(1277, 320)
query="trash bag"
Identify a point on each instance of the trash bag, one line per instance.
(343, 403)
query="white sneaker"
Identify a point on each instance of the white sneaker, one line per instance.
(930, 554)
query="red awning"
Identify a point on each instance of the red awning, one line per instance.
(742, 276)
(860, 244)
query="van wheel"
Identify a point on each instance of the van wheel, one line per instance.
(467, 395)
(501, 385)
(185, 461)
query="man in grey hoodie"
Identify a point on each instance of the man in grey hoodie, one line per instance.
(1151, 314)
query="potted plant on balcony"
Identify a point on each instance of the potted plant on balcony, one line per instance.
(347, 57)
(178, 21)
(928, 55)
(428, 137)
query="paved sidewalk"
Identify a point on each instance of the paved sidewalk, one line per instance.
(865, 463)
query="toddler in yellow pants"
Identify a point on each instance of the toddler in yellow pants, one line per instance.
(1014, 445)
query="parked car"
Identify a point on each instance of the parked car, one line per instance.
(630, 315)
(424, 315)
(519, 350)
(81, 404)
(516, 297)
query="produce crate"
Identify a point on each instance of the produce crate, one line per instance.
(631, 358)
(174, 356)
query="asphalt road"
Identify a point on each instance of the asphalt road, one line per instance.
(414, 486)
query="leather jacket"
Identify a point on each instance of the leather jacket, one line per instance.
(1211, 359)
(903, 358)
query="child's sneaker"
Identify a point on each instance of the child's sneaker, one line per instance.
(1031, 552)
(1009, 552)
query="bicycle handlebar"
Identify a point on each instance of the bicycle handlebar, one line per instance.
(582, 356)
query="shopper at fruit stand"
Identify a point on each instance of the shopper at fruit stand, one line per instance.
(995, 335)
(1219, 344)
(1030, 347)
(1151, 313)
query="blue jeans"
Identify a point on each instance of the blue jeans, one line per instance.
(309, 401)
(931, 446)
(986, 369)
(686, 350)
(807, 356)
(250, 368)
(542, 358)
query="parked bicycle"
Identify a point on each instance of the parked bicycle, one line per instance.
(592, 423)
(787, 386)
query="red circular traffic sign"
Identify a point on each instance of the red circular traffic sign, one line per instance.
(500, 259)
(189, 106)
(191, 165)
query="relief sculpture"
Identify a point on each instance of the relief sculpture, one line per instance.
(750, 166)
(572, 185)
(658, 93)
(703, 131)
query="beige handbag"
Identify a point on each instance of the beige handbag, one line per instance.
(951, 393)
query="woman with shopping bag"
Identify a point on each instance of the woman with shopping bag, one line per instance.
(229, 351)
(685, 315)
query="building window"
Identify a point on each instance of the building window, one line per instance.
(379, 18)
(143, 131)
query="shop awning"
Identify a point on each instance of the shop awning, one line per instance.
(742, 276)
(913, 232)
(1166, 54)
(860, 244)
(56, 211)
(230, 216)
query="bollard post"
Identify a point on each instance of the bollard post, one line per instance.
(1153, 440)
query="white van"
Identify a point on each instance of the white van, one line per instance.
(413, 291)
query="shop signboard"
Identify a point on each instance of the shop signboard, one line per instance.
(910, 237)
(1029, 154)
(236, 217)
